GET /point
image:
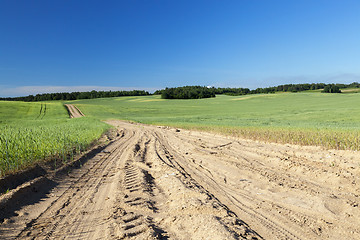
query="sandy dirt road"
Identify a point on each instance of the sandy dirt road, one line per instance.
(160, 183)
(74, 112)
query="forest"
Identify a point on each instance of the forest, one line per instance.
(187, 92)
(77, 95)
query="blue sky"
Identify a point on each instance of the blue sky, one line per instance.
(52, 46)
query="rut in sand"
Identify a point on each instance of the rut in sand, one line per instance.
(162, 183)
(74, 112)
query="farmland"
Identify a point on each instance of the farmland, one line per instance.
(159, 182)
(329, 120)
(36, 131)
(164, 182)
(31, 132)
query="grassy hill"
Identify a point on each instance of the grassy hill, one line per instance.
(280, 110)
(329, 120)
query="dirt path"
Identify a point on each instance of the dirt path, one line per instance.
(159, 183)
(74, 112)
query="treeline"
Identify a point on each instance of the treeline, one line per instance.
(231, 91)
(193, 92)
(290, 88)
(330, 88)
(186, 92)
(77, 95)
(333, 88)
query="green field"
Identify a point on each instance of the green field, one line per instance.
(26, 136)
(282, 110)
(329, 120)
(308, 118)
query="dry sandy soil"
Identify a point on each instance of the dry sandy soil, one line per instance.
(163, 183)
(74, 112)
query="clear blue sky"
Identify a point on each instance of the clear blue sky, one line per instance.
(72, 45)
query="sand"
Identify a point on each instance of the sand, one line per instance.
(165, 183)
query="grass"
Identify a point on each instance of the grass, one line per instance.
(29, 133)
(283, 110)
(329, 120)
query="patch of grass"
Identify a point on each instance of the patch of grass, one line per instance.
(29, 134)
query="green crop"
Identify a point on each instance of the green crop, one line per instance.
(308, 118)
(26, 138)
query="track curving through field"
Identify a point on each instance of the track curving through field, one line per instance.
(162, 183)
(74, 112)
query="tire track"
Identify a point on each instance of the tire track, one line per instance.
(266, 163)
(163, 183)
(74, 112)
(138, 196)
(70, 207)
(172, 159)
(268, 222)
